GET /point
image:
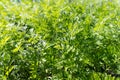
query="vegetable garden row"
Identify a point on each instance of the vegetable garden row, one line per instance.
(60, 40)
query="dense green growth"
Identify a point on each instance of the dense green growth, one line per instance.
(60, 40)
